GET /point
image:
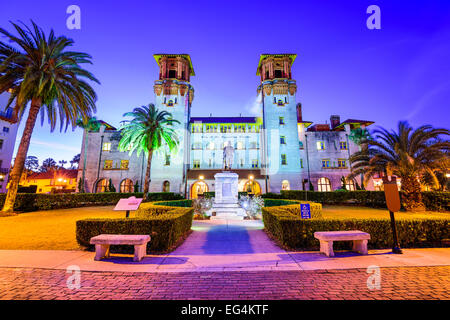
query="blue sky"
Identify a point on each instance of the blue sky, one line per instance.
(401, 72)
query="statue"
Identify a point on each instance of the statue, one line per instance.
(228, 155)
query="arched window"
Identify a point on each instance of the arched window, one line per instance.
(211, 146)
(285, 185)
(252, 186)
(102, 186)
(166, 186)
(126, 186)
(350, 184)
(324, 184)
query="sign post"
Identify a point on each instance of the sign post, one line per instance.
(130, 204)
(393, 203)
(305, 211)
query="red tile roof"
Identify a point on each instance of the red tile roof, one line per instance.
(61, 173)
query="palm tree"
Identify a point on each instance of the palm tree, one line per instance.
(148, 131)
(48, 165)
(409, 154)
(360, 136)
(88, 124)
(43, 72)
(31, 163)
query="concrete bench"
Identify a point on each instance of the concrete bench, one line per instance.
(103, 241)
(326, 239)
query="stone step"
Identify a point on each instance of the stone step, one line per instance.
(227, 217)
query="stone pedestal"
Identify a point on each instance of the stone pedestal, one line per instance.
(226, 197)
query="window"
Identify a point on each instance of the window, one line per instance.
(281, 120)
(253, 145)
(325, 163)
(343, 145)
(197, 128)
(320, 145)
(239, 128)
(285, 185)
(225, 128)
(126, 186)
(280, 103)
(124, 164)
(102, 186)
(350, 184)
(197, 146)
(166, 186)
(342, 163)
(300, 144)
(5, 129)
(108, 164)
(167, 162)
(210, 162)
(282, 140)
(301, 163)
(240, 145)
(274, 100)
(211, 146)
(242, 163)
(255, 163)
(106, 146)
(1, 144)
(283, 159)
(323, 184)
(170, 103)
(172, 73)
(278, 74)
(196, 164)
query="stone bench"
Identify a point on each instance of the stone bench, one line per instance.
(326, 239)
(103, 241)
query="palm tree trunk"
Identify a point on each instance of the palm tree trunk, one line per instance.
(147, 175)
(21, 155)
(411, 196)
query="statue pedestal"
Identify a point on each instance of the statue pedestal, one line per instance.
(226, 197)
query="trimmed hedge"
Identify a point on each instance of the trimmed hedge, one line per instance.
(26, 202)
(175, 203)
(296, 233)
(434, 201)
(166, 226)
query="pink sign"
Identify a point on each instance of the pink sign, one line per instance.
(130, 204)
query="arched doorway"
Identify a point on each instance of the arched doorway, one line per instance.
(285, 185)
(323, 184)
(126, 186)
(199, 187)
(166, 186)
(102, 186)
(251, 186)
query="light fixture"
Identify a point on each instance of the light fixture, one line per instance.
(60, 179)
(447, 175)
(251, 177)
(201, 177)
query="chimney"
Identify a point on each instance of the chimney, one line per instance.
(299, 112)
(335, 120)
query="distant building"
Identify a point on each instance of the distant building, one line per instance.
(8, 132)
(53, 181)
(273, 152)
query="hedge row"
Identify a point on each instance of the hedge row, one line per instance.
(434, 201)
(165, 225)
(296, 233)
(26, 202)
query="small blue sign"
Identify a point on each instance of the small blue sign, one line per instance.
(305, 211)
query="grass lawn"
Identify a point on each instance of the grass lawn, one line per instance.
(345, 212)
(48, 230)
(55, 229)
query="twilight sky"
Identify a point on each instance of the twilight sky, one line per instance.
(401, 72)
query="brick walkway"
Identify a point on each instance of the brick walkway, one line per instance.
(396, 283)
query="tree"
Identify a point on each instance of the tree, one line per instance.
(148, 131)
(408, 154)
(111, 187)
(75, 160)
(90, 124)
(360, 136)
(31, 163)
(48, 165)
(41, 71)
(62, 163)
(136, 187)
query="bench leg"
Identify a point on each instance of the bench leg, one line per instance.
(360, 246)
(139, 252)
(327, 248)
(101, 251)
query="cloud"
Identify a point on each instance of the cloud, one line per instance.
(254, 106)
(52, 145)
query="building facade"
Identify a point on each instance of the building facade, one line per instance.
(8, 133)
(273, 152)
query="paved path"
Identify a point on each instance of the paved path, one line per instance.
(396, 283)
(224, 246)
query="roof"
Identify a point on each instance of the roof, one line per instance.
(158, 56)
(61, 173)
(292, 56)
(224, 119)
(353, 122)
(107, 125)
(306, 123)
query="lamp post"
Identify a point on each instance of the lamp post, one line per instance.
(393, 203)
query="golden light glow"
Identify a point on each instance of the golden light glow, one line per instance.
(251, 177)
(201, 177)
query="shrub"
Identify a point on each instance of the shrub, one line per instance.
(32, 202)
(434, 201)
(166, 227)
(296, 233)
